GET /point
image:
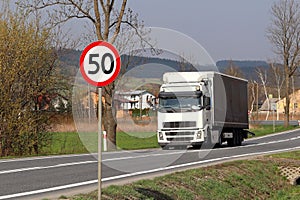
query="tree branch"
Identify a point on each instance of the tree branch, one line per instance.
(98, 20)
(119, 21)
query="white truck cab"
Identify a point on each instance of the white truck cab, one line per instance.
(193, 109)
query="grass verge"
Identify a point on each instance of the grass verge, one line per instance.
(136, 140)
(262, 130)
(70, 142)
(295, 155)
(250, 179)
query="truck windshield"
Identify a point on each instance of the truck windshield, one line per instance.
(180, 104)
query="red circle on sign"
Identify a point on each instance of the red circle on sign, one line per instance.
(118, 63)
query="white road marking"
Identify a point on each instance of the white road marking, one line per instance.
(117, 152)
(42, 158)
(273, 134)
(141, 173)
(46, 167)
(22, 194)
(135, 157)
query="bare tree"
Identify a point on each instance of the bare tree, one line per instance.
(277, 71)
(185, 63)
(234, 70)
(262, 74)
(252, 95)
(284, 34)
(107, 18)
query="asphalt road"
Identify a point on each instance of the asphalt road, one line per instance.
(48, 177)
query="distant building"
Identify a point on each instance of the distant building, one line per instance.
(269, 105)
(53, 102)
(294, 103)
(135, 99)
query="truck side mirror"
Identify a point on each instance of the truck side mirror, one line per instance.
(206, 102)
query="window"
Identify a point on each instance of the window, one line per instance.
(295, 105)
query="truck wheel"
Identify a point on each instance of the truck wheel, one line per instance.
(163, 147)
(239, 137)
(208, 144)
(234, 140)
(198, 146)
(230, 142)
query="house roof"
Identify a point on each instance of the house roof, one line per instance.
(264, 106)
(134, 92)
(121, 99)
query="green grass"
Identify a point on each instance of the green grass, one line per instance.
(295, 155)
(136, 140)
(252, 179)
(71, 143)
(64, 143)
(262, 130)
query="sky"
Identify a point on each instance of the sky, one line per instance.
(227, 29)
(231, 29)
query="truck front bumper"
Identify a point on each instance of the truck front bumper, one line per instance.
(180, 137)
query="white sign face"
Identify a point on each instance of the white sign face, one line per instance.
(100, 63)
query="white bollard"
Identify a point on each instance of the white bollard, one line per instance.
(104, 141)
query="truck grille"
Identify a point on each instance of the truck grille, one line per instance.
(180, 124)
(179, 136)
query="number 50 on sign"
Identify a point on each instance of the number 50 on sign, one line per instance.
(100, 63)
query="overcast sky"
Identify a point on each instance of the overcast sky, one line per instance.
(227, 29)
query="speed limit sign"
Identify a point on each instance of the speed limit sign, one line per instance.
(100, 63)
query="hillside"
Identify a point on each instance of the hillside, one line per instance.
(247, 67)
(69, 64)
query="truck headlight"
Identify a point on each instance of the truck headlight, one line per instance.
(199, 135)
(160, 135)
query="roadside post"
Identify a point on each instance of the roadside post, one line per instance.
(104, 141)
(273, 108)
(100, 64)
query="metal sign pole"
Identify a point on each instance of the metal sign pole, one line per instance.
(91, 60)
(99, 140)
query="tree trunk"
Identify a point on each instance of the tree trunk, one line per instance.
(287, 102)
(279, 98)
(110, 126)
(109, 117)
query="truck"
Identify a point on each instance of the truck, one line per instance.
(197, 108)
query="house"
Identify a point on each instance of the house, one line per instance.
(269, 105)
(294, 103)
(90, 100)
(59, 103)
(53, 102)
(135, 99)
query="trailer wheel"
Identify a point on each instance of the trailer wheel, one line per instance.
(239, 138)
(232, 142)
(197, 146)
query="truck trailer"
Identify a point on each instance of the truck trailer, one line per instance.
(197, 108)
